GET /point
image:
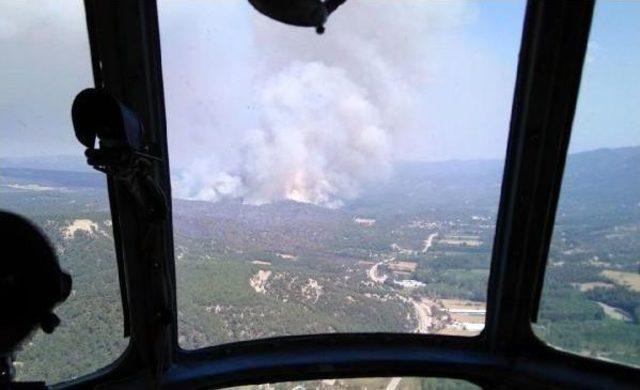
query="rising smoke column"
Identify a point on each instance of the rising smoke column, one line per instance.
(327, 111)
(320, 138)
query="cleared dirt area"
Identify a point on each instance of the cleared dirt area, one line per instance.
(364, 221)
(403, 266)
(584, 287)
(429, 242)
(259, 281)
(463, 304)
(312, 290)
(467, 317)
(475, 319)
(30, 187)
(449, 316)
(614, 312)
(627, 279)
(287, 256)
(260, 262)
(597, 263)
(456, 332)
(461, 240)
(85, 225)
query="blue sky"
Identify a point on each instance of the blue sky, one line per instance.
(608, 112)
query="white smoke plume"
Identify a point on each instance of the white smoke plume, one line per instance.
(320, 138)
(323, 115)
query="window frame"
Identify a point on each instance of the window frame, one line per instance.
(125, 46)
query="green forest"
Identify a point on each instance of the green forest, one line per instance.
(246, 272)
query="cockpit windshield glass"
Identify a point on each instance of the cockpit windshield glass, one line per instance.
(45, 62)
(590, 303)
(343, 182)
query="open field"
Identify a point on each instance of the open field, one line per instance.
(473, 241)
(614, 312)
(403, 266)
(584, 287)
(627, 279)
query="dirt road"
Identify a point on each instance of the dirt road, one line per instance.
(429, 242)
(423, 312)
(373, 274)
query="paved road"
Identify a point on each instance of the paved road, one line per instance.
(428, 242)
(373, 271)
(393, 383)
(373, 274)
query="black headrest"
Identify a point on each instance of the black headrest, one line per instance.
(31, 281)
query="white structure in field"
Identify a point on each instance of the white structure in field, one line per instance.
(409, 283)
(364, 221)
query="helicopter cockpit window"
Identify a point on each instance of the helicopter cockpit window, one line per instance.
(44, 177)
(591, 297)
(344, 182)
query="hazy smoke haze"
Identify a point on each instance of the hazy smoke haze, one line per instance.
(436, 76)
(325, 113)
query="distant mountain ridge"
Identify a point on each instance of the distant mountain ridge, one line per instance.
(71, 163)
(53, 178)
(592, 179)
